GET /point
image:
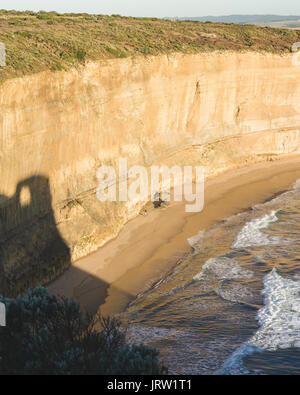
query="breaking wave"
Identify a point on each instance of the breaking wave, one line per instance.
(279, 321)
(222, 268)
(251, 234)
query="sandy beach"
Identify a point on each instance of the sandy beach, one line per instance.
(148, 247)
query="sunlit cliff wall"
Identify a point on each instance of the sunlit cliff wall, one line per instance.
(220, 110)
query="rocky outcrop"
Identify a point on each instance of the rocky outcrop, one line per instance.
(220, 110)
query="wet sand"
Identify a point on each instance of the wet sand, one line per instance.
(149, 247)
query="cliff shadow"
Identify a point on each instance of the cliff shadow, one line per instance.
(90, 292)
(33, 252)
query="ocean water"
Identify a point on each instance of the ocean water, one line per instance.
(233, 305)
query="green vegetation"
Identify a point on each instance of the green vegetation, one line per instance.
(52, 41)
(49, 335)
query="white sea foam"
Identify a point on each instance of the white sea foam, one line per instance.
(280, 317)
(221, 274)
(251, 234)
(297, 184)
(236, 293)
(234, 364)
(279, 322)
(222, 268)
(196, 241)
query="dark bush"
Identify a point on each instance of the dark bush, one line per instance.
(49, 335)
(80, 54)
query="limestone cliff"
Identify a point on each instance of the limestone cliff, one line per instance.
(220, 110)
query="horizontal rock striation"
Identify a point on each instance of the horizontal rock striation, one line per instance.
(219, 110)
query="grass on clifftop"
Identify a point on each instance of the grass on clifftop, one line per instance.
(50, 41)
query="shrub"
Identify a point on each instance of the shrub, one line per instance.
(80, 54)
(116, 52)
(49, 335)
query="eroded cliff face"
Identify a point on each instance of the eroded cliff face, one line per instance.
(218, 110)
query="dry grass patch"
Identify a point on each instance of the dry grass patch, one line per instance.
(50, 41)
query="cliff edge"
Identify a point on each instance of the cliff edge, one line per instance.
(221, 110)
